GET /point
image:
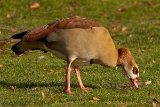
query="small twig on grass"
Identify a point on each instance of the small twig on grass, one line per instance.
(128, 85)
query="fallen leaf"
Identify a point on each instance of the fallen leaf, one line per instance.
(85, 73)
(34, 88)
(43, 96)
(50, 71)
(13, 87)
(35, 5)
(149, 3)
(1, 66)
(130, 35)
(13, 30)
(150, 39)
(71, 9)
(40, 57)
(74, 2)
(8, 16)
(143, 71)
(103, 14)
(1, 51)
(95, 99)
(142, 50)
(114, 29)
(52, 55)
(122, 9)
(135, 3)
(154, 60)
(124, 29)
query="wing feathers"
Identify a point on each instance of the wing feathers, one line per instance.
(68, 23)
(20, 35)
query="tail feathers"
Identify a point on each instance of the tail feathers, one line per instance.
(21, 47)
(16, 49)
(20, 35)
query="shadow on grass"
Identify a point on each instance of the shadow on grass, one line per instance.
(31, 85)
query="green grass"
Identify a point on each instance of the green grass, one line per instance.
(27, 72)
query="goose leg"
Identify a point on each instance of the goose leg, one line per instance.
(76, 68)
(67, 88)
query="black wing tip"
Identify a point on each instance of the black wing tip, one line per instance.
(15, 49)
(20, 35)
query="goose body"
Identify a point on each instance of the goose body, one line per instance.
(83, 45)
(80, 42)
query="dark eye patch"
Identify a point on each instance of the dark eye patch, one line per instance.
(135, 70)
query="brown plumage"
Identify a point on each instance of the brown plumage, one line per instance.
(68, 23)
(80, 42)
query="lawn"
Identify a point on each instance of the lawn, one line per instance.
(37, 79)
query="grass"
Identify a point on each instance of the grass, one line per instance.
(24, 78)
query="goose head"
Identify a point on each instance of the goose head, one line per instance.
(129, 65)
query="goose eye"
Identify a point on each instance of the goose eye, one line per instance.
(135, 70)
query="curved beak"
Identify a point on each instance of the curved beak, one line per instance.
(134, 82)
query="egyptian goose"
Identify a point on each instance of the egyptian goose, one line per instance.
(80, 42)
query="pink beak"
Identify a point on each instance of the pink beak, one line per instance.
(134, 82)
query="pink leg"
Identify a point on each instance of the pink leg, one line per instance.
(76, 68)
(67, 85)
